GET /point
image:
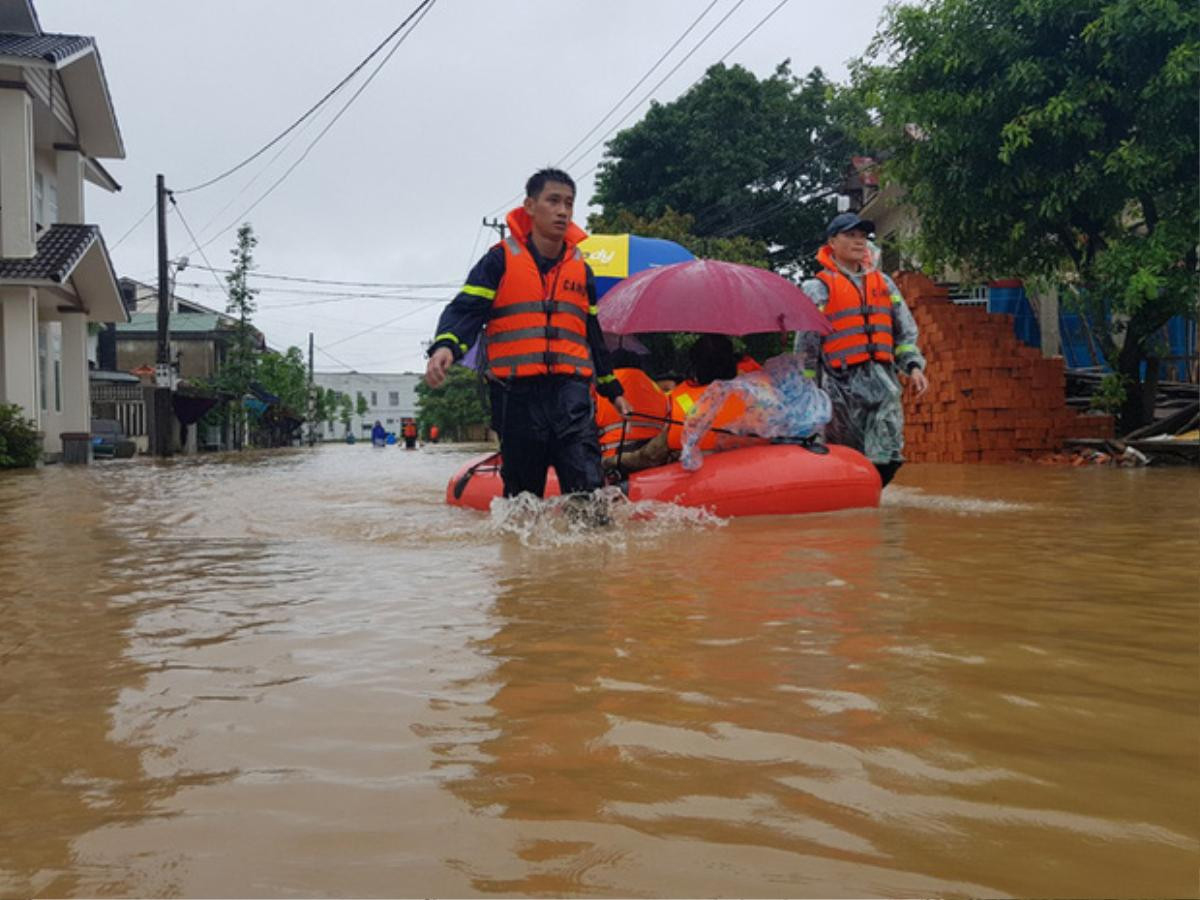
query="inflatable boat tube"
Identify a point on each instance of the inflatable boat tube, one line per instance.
(763, 480)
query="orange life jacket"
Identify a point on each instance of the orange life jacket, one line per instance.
(862, 322)
(538, 323)
(645, 397)
(747, 364)
(410, 430)
(683, 400)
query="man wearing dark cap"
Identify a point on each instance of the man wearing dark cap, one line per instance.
(874, 341)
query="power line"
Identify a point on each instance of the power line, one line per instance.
(379, 284)
(675, 68)
(403, 315)
(134, 226)
(423, 9)
(638, 84)
(188, 228)
(741, 41)
(640, 81)
(763, 21)
(314, 107)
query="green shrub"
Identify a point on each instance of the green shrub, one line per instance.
(20, 444)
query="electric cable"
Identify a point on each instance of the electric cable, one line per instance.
(314, 107)
(133, 227)
(425, 7)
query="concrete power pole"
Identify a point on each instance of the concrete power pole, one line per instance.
(161, 437)
(312, 426)
(498, 224)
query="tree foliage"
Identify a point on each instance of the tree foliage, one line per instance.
(1052, 138)
(286, 376)
(241, 360)
(743, 157)
(677, 227)
(453, 407)
(20, 443)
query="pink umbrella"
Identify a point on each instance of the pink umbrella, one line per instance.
(706, 295)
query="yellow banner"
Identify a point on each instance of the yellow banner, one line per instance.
(607, 254)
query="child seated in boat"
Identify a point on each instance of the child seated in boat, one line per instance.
(622, 435)
(775, 401)
(659, 435)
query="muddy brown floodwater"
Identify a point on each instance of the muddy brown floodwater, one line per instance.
(300, 673)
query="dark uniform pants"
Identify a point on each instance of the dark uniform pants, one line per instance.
(546, 421)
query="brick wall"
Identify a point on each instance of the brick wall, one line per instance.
(991, 397)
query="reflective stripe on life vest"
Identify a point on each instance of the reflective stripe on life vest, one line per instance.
(684, 398)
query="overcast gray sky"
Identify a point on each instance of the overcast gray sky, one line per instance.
(480, 95)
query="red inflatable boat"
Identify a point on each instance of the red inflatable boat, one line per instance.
(762, 480)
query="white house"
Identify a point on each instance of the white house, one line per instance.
(390, 398)
(56, 121)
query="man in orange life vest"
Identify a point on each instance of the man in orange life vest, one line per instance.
(535, 299)
(874, 338)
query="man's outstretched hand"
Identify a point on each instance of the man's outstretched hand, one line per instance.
(918, 382)
(439, 364)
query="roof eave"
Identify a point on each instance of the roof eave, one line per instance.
(100, 176)
(91, 102)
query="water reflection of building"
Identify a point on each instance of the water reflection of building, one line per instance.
(65, 661)
(56, 121)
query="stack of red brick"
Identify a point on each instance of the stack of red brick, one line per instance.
(991, 398)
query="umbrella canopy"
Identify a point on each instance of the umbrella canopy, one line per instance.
(709, 296)
(617, 256)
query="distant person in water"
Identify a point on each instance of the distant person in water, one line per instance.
(378, 433)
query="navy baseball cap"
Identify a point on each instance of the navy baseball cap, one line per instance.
(845, 222)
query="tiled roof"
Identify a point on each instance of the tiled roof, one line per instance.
(52, 48)
(179, 323)
(59, 250)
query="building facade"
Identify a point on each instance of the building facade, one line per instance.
(390, 399)
(56, 121)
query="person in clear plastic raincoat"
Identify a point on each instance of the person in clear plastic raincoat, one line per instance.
(873, 342)
(777, 401)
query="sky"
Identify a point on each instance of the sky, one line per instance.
(478, 96)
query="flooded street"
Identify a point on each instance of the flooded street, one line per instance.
(301, 674)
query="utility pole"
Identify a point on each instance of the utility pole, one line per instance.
(312, 426)
(498, 224)
(161, 435)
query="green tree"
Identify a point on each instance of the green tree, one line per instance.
(454, 406)
(20, 444)
(1053, 139)
(241, 359)
(345, 410)
(361, 405)
(742, 157)
(286, 376)
(325, 405)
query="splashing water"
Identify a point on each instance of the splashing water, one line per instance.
(606, 516)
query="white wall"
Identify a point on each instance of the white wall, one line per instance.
(395, 397)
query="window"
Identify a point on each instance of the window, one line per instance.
(374, 399)
(393, 399)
